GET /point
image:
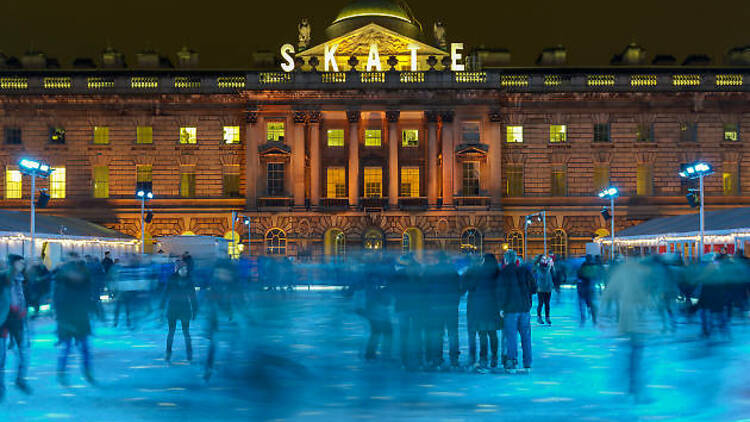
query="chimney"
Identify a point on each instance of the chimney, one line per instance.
(112, 59)
(739, 56)
(553, 56)
(187, 58)
(34, 60)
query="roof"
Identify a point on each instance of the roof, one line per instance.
(18, 222)
(384, 8)
(718, 222)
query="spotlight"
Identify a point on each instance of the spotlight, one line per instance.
(605, 213)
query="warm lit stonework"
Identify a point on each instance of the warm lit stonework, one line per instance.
(327, 162)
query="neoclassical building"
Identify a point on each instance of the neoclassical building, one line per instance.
(375, 135)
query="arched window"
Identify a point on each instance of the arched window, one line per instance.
(275, 242)
(515, 242)
(188, 233)
(471, 241)
(234, 247)
(412, 240)
(560, 243)
(373, 239)
(334, 243)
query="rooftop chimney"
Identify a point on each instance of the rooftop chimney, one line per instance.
(187, 58)
(112, 59)
(553, 56)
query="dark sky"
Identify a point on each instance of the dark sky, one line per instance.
(225, 32)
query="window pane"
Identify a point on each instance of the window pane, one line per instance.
(730, 183)
(187, 185)
(335, 137)
(232, 185)
(732, 132)
(514, 181)
(373, 182)
(276, 242)
(559, 182)
(471, 179)
(13, 180)
(470, 132)
(558, 133)
(560, 244)
(231, 134)
(644, 133)
(143, 173)
(644, 182)
(410, 138)
(57, 183)
(336, 182)
(188, 135)
(601, 132)
(101, 182)
(144, 134)
(373, 137)
(275, 179)
(410, 182)
(275, 131)
(101, 135)
(688, 132)
(12, 135)
(514, 134)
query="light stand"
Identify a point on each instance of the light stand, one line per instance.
(698, 170)
(611, 193)
(34, 169)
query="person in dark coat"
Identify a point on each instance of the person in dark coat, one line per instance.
(444, 295)
(181, 304)
(588, 275)
(407, 289)
(39, 284)
(73, 301)
(217, 299)
(377, 300)
(515, 287)
(482, 284)
(107, 262)
(12, 321)
(543, 272)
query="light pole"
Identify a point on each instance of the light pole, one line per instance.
(698, 170)
(34, 169)
(144, 194)
(611, 193)
(528, 220)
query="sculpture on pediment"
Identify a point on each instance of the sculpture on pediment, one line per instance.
(440, 35)
(304, 34)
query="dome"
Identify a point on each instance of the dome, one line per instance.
(370, 8)
(392, 14)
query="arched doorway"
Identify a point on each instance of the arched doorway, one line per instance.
(412, 240)
(515, 242)
(373, 239)
(234, 248)
(560, 243)
(471, 241)
(275, 242)
(334, 243)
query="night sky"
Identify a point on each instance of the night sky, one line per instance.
(225, 32)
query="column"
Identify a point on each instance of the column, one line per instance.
(494, 157)
(392, 117)
(448, 157)
(431, 170)
(353, 117)
(298, 158)
(253, 134)
(314, 119)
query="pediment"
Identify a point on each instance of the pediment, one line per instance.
(472, 150)
(357, 43)
(274, 148)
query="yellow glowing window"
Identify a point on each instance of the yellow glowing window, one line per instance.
(188, 135)
(101, 182)
(514, 135)
(558, 133)
(101, 135)
(373, 182)
(57, 183)
(514, 181)
(144, 135)
(187, 185)
(13, 181)
(410, 182)
(144, 173)
(729, 180)
(275, 131)
(645, 180)
(731, 132)
(336, 182)
(373, 137)
(231, 134)
(335, 137)
(410, 138)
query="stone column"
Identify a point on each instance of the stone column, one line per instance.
(494, 159)
(314, 119)
(253, 134)
(448, 158)
(431, 170)
(392, 117)
(354, 118)
(298, 158)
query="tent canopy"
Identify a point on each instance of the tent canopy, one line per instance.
(719, 222)
(18, 222)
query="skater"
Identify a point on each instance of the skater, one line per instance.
(485, 311)
(181, 305)
(515, 287)
(588, 275)
(444, 296)
(12, 321)
(107, 262)
(218, 303)
(376, 309)
(407, 286)
(73, 300)
(544, 288)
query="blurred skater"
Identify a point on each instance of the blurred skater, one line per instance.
(181, 304)
(12, 321)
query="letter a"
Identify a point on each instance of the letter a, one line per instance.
(373, 59)
(330, 59)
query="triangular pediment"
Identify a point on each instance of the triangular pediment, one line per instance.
(357, 43)
(476, 150)
(274, 148)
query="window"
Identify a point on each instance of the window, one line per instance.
(275, 131)
(471, 241)
(187, 184)
(234, 247)
(601, 178)
(373, 137)
(275, 183)
(336, 182)
(276, 242)
(231, 183)
(559, 181)
(144, 135)
(689, 132)
(514, 134)
(57, 183)
(601, 132)
(13, 182)
(410, 182)
(373, 239)
(101, 182)
(558, 133)
(471, 179)
(334, 243)
(410, 138)
(143, 173)
(12, 135)
(231, 134)
(335, 137)
(560, 243)
(470, 133)
(515, 243)
(412, 240)
(514, 181)
(373, 182)
(101, 135)
(645, 180)
(56, 135)
(730, 183)
(644, 133)
(188, 135)
(731, 132)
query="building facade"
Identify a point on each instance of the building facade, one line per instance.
(397, 149)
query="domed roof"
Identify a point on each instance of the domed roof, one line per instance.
(392, 14)
(372, 8)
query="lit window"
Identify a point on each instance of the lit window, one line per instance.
(187, 184)
(412, 240)
(560, 243)
(470, 132)
(231, 183)
(275, 242)
(471, 241)
(56, 135)
(514, 134)
(645, 180)
(514, 181)
(559, 181)
(373, 239)
(731, 132)
(515, 243)
(12, 135)
(410, 138)
(101, 182)
(188, 135)
(144, 135)
(471, 179)
(13, 181)
(335, 182)
(57, 183)
(275, 131)
(601, 132)
(410, 182)
(234, 248)
(143, 173)
(373, 182)
(334, 243)
(335, 137)
(101, 135)
(731, 187)
(231, 134)
(275, 175)
(558, 133)
(689, 132)
(373, 137)
(644, 133)
(601, 178)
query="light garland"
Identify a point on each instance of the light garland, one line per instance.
(662, 240)
(70, 240)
